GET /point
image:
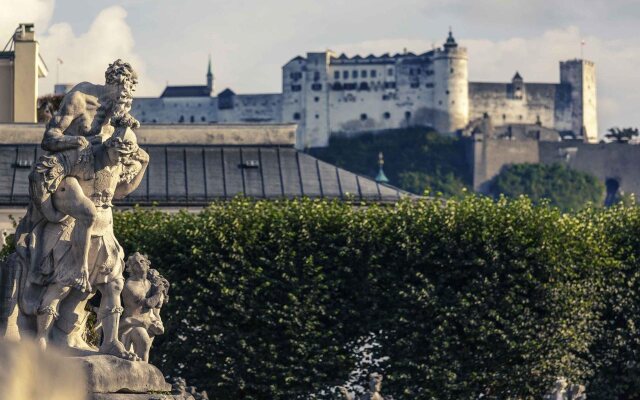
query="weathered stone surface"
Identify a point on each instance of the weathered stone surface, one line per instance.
(109, 374)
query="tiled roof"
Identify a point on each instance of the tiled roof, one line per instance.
(195, 175)
(186, 91)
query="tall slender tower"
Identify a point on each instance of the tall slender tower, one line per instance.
(28, 68)
(210, 77)
(451, 91)
(581, 75)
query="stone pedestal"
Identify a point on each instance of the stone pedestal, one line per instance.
(112, 378)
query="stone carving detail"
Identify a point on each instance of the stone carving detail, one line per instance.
(181, 390)
(66, 250)
(144, 293)
(373, 392)
(562, 390)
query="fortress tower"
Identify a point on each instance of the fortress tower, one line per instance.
(451, 88)
(581, 75)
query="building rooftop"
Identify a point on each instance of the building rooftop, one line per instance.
(186, 91)
(194, 175)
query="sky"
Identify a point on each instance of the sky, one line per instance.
(169, 41)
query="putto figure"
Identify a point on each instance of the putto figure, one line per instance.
(65, 246)
(145, 292)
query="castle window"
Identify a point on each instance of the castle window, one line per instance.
(386, 115)
(354, 74)
(296, 116)
(363, 117)
(336, 74)
(364, 73)
(345, 74)
(296, 88)
(192, 119)
(316, 86)
(374, 73)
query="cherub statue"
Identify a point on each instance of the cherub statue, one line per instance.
(144, 293)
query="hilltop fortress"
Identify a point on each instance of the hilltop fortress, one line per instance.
(327, 95)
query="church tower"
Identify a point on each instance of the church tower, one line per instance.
(210, 78)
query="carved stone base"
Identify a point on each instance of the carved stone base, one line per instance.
(109, 374)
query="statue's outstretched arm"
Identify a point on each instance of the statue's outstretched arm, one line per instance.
(128, 185)
(54, 139)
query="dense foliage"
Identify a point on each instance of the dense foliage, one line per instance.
(465, 298)
(416, 159)
(563, 187)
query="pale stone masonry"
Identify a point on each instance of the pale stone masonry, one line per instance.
(328, 94)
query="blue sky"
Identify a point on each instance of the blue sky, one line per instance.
(249, 40)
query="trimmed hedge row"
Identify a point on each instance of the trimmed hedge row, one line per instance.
(464, 298)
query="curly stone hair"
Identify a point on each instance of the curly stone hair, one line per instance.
(120, 72)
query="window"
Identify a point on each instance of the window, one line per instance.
(386, 115)
(407, 115)
(390, 72)
(296, 88)
(363, 86)
(316, 76)
(350, 86)
(336, 86)
(295, 75)
(374, 73)
(316, 99)
(296, 116)
(447, 92)
(429, 85)
(192, 119)
(364, 73)
(316, 86)
(336, 74)
(419, 71)
(317, 116)
(451, 70)
(363, 117)
(202, 119)
(181, 120)
(410, 71)
(415, 84)
(389, 85)
(354, 74)
(345, 74)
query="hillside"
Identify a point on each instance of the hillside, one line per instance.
(416, 159)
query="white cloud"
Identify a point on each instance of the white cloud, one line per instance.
(85, 55)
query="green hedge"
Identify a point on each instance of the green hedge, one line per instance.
(465, 298)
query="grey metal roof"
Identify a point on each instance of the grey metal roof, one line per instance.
(186, 91)
(192, 175)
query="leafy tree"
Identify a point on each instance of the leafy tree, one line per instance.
(565, 188)
(416, 159)
(623, 135)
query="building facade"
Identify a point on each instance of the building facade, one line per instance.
(20, 68)
(328, 94)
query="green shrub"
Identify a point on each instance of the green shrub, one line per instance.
(468, 298)
(565, 188)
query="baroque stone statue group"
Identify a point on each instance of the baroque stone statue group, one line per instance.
(66, 250)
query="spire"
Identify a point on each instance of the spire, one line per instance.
(451, 42)
(209, 77)
(517, 77)
(381, 177)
